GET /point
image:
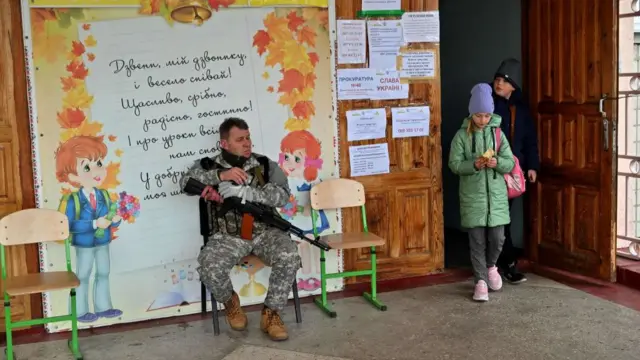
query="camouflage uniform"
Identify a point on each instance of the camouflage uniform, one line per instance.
(225, 248)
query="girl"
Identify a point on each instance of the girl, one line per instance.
(300, 153)
(484, 207)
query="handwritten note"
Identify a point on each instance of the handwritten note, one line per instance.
(421, 26)
(385, 39)
(352, 42)
(366, 124)
(355, 84)
(166, 103)
(369, 159)
(417, 64)
(410, 121)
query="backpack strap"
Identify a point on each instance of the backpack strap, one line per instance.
(107, 198)
(496, 141)
(512, 127)
(76, 203)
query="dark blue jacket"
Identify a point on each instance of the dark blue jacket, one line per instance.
(524, 144)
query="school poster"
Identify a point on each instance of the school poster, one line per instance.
(124, 99)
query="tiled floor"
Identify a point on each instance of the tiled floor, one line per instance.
(541, 319)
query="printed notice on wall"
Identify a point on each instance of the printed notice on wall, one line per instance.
(355, 84)
(385, 40)
(421, 26)
(352, 39)
(410, 121)
(369, 5)
(366, 124)
(417, 64)
(369, 159)
(389, 87)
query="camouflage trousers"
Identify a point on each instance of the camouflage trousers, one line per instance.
(274, 247)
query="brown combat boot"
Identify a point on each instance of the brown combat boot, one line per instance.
(235, 315)
(272, 324)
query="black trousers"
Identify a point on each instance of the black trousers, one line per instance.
(508, 255)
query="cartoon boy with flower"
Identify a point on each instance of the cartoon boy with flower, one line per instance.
(92, 218)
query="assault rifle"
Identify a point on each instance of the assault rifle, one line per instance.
(260, 213)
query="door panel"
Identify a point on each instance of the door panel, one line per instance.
(16, 174)
(405, 206)
(572, 209)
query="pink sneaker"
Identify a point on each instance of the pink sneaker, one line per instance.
(495, 280)
(481, 292)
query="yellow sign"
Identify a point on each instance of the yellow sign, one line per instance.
(84, 3)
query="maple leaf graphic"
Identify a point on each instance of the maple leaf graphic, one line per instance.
(68, 83)
(77, 48)
(304, 110)
(294, 21)
(90, 41)
(313, 57)
(216, 4)
(291, 80)
(70, 118)
(307, 35)
(261, 40)
(112, 138)
(77, 70)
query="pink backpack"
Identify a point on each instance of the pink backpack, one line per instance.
(516, 183)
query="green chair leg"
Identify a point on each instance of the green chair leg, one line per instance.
(322, 302)
(373, 296)
(8, 351)
(73, 343)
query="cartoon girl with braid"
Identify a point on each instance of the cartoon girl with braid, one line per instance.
(300, 153)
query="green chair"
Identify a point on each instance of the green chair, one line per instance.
(339, 194)
(28, 227)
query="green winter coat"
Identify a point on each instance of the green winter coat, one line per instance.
(483, 193)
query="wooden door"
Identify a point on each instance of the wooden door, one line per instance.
(16, 175)
(405, 206)
(572, 62)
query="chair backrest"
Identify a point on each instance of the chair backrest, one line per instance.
(337, 194)
(33, 226)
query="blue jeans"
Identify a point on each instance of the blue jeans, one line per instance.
(101, 292)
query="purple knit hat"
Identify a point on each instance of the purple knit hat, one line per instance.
(481, 100)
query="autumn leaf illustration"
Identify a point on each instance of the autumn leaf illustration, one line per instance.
(304, 110)
(86, 27)
(216, 4)
(88, 128)
(270, 89)
(77, 48)
(68, 83)
(313, 57)
(265, 75)
(292, 98)
(310, 80)
(112, 138)
(118, 152)
(275, 54)
(294, 124)
(307, 35)
(39, 17)
(77, 70)
(90, 41)
(48, 46)
(277, 27)
(91, 56)
(294, 21)
(260, 40)
(77, 98)
(111, 180)
(149, 7)
(291, 79)
(71, 118)
(295, 57)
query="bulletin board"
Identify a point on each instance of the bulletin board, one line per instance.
(123, 100)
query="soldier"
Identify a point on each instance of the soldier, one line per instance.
(239, 172)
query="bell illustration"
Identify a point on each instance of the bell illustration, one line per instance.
(252, 265)
(189, 11)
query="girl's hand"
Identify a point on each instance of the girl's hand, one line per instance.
(116, 219)
(480, 163)
(492, 163)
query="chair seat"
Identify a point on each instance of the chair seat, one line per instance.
(353, 240)
(41, 282)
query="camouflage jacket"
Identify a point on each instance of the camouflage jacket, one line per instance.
(274, 194)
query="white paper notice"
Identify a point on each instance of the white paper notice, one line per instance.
(421, 26)
(388, 86)
(385, 39)
(368, 5)
(369, 159)
(355, 84)
(352, 41)
(410, 121)
(418, 64)
(366, 124)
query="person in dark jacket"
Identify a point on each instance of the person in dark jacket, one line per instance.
(522, 135)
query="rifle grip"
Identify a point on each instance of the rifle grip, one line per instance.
(246, 228)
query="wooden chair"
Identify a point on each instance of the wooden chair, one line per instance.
(206, 230)
(338, 194)
(28, 227)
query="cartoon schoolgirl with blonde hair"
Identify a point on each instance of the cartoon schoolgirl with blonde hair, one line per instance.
(300, 160)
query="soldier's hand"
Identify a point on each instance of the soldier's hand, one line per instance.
(235, 174)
